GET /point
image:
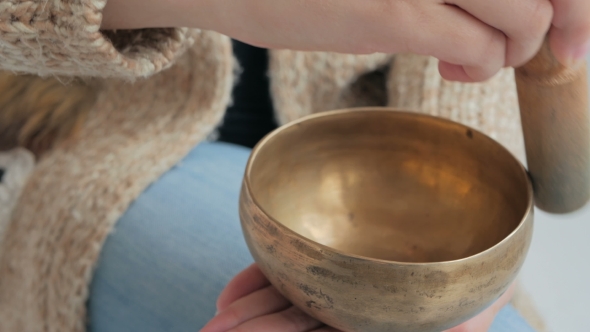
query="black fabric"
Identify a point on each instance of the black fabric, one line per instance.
(251, 115)
(1, 174)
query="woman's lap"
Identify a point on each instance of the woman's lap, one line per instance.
(509, 320)
(178, 245)
(175, 248)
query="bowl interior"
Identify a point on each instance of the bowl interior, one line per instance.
(390, 185)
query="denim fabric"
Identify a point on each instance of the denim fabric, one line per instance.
(178, 245)
(509, 320)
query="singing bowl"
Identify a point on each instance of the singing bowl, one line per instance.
(383, 220)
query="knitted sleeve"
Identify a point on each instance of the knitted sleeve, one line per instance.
(62, 38)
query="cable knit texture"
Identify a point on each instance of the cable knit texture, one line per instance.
(78, 190)
(62, 37)
(135, 131)
(303, 83)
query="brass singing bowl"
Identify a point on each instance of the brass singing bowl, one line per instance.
(381, 220)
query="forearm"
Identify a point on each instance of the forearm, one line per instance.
(473, 39)
(139, 14)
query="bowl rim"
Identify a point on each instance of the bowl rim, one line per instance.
(528, 215)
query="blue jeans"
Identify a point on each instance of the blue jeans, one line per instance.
(178, 245)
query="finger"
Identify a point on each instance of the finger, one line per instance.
(289, 320)
(249, 280)
(484, 320)
(524, 22)
(570, 34)
(260, 303)
(456, 37)
(453, 72)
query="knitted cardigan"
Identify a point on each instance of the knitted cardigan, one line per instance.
(162, 91)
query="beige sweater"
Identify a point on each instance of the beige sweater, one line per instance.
(162, 92)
